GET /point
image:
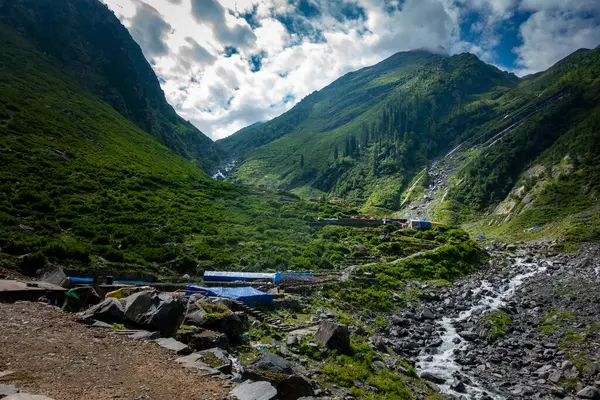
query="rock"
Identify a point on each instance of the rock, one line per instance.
(292, 340)
(458, 386)
(294, 387)
(145, 335)
(215, 360)
(566, 365)
(156, 310)
(558, 392)
(334, 336)
(232, 325)
(54, 274)
(426, 313)
(269, 362)
(589, 392)
(555, 376)
(7, 390)
(254, 391)
(26, 396)
(174, 345)
(207, 340)
(110, 310)
(195, 314)
(431, 377)
(468, 335)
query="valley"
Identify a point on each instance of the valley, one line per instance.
(423, 228)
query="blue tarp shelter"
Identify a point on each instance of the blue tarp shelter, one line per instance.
(247, 295)
(227, 276)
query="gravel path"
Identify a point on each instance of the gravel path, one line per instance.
(53, 355)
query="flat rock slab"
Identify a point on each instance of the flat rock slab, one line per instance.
(26, 396)
(174, 345)
(254, 391)
(145, 335)
(194, 361)
(6, 390)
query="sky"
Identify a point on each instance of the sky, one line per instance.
(226, 64)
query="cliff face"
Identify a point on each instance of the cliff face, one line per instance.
(96, 50)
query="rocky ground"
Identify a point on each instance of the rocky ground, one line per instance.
(44, 351)
(527, 326)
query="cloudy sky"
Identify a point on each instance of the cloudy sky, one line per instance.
(225, 64)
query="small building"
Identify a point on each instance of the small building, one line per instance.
(420, 224)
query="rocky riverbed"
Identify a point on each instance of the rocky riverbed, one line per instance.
(526, 326)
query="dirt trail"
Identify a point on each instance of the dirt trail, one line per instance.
(53, 355)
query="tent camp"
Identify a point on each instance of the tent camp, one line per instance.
(247, 295)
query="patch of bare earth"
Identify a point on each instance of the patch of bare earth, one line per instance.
(53, 355)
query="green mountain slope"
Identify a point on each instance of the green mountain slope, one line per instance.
(98, 53)
(83, 186)
(366, 135)
(546, 170)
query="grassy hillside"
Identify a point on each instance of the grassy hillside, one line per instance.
(99, 54)
(83, 186)
(368, 134)
(545, 170)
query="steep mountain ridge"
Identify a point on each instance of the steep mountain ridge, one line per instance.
(366, 135)
(99, 53)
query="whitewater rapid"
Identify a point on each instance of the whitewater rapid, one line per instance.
(443, 363)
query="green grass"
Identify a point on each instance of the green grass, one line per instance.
(498, 324)
(83, 186)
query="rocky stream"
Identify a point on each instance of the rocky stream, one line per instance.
(524, 327)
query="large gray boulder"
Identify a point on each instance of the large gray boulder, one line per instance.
(156, 310)
(278, 371)
(254, 391)
(232, 325)
(333, 335)
(195, 314)
(54, 274)
(271, 363)
(589, 392)
(110, 310)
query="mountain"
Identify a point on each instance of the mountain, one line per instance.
(540, 167)
(450, 139)
(95, 50)
(364, 136)
(82, 186)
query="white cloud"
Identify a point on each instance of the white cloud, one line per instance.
(549, 36)
(305, 47)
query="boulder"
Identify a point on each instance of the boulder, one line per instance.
(212, 359)
(110, 310)
(431, 377)
(173, 345)
(26, 396)
(272, 363)
(334, 336)
(294, 387)
(201, 339)
(589, 392)
(54, 274)
(254, 391)
(278, 371)
(195, 314)
(426, 313)
(232, 325)
(156, 310)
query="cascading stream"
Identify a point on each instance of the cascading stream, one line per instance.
(444, 363)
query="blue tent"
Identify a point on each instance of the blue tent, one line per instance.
(247, 295)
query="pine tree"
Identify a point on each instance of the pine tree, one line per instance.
(301, 161)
